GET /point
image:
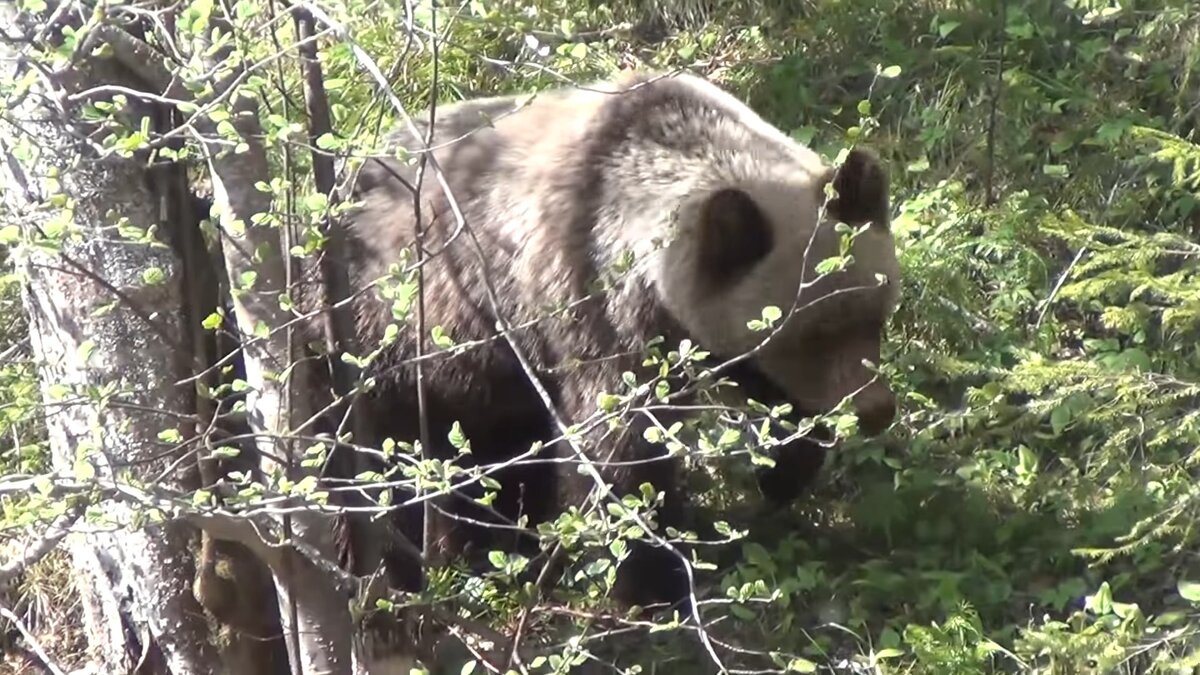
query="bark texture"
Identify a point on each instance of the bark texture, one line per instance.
(98, 326)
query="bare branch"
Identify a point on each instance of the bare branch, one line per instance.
(31, 640)
(55, 532)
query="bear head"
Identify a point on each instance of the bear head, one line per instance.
(758, 239)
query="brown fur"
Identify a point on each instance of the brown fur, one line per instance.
(555, 193)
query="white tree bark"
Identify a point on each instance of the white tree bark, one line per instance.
(314, 613)
(135, 582)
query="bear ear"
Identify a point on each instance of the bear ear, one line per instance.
(734, 235)
(862, 190)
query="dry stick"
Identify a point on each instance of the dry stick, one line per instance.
(989, 196)
(1062, 279)
(339, 328)
(427, 542)
(30, 640)
(13, 349)
(514, 656)
(127, 301)
(289, 464)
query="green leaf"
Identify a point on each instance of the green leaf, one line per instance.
(1028, 460)
(728, 437)
(1190, 590)
(919, 166)
(1060, 417)
(1101, 603)
(890, 72)
(9, 234)
(745, 614)
(607, 402)
(830, 265)
(170, 436)
(441, 338)
(804, 135)
(43, 485)
(799, 665)
(1170, 618)
(771, 314)
(153, 276)
(84, 470)
(757, 555)
(390, 334)
(316, 202)
(618, 548)
(759, 459)
(889, 638)
(947, 27)
(457, 438)
(85, 350)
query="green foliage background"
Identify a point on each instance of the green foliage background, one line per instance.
(1033, 507)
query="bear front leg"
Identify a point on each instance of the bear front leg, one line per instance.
(797, 466)
(651, 574)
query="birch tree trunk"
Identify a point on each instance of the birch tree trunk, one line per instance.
(112, 334)
(104, 324)
(315, 614)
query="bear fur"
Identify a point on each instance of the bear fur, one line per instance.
(712, 214)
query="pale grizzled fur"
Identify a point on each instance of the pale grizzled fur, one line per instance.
(559, 189)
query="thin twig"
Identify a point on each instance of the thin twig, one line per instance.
(55, 532)
(1062, 279)
(989, 177)
(427, 452)
(13, 349)
(30, 640)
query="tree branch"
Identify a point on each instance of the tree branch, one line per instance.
(55, 532)
(31, 640)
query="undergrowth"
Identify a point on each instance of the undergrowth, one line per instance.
(1033, 507)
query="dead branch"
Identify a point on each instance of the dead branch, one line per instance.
(32, 641)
